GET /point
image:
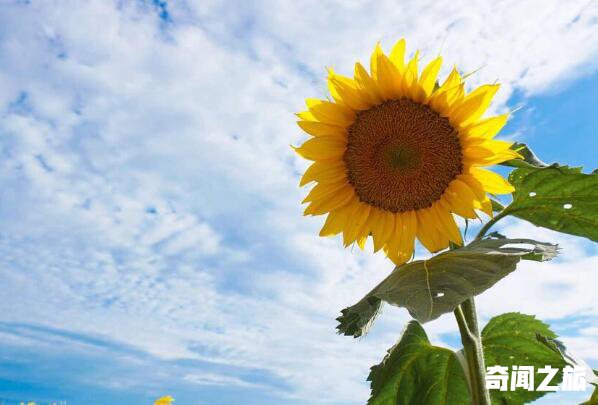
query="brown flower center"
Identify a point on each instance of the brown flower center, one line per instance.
(401, 155)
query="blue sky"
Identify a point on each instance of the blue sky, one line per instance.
(151, 237)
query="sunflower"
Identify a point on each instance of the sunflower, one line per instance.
(395, 154)
(167, 400)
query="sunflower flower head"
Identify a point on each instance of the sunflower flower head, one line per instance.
(167, 400)
(395, 154)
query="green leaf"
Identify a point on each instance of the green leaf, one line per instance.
(558, 347)
(593, 399)
(529, 158)
(558, 198)
(510, 339)
(415, 372)
(356, 320)
(496, 206)
(568, 357)
(430, 288)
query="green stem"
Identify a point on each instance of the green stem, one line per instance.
(490, 223)
(471, 338)
(474, 354)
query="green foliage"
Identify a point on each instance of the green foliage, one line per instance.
(430, 288)
(356, 320)
(556, 197)
(496, 206)
(529, 158)
(571, 359)
(415, 372)
(593, 399)
(560, 198)
(510, 339)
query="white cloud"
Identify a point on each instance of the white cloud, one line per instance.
(527, 45)
(149, 191)
(218, 379)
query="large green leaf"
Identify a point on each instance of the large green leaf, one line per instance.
(415, 372)
(430, 288)
(510, 339)
(556, 197)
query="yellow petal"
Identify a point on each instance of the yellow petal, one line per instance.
(409, 226)
(344, 90)
(337, 199)
(429, 75)
(337, 219)
(427, 233)
(441, 98)
(375, 222)
(489, 153)
(306, 116)
(367, 84)
(387, 78)
(397, 55)
(466, 194)
(324, 171)
(442, 240)
(322, 147)
(454, 95)
(167, 400)
(467, 141)
(374, 61)
(410, 84)
(359, 217)
(316, 128)
(452, 80)
(392, 247)
(364, 232)
(332, 89)
(361, 240)
(446, 222)
(472, 106)
(330, 113)
(487, 207)
(478, 190)
(492, 182)
(489, 160)
(388, 227)
(472, 193)
(487, 128)
(377, 227)
(443, 102)
(322, 189)
(459, 201)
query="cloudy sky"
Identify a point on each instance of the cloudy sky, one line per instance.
(151, 237)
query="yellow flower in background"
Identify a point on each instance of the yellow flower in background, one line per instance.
(395, 154)
(167, 400)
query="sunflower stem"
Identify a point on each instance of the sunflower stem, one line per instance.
(474, 354)
(471, 338)
(490, 223)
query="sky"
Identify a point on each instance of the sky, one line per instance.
(151, 235)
